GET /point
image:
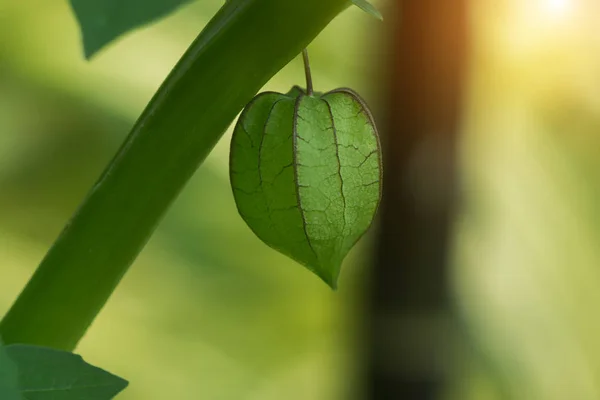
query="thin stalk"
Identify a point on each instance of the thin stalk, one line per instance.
(309, 83)
(233, 57)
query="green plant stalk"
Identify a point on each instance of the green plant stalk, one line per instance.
(243, 46)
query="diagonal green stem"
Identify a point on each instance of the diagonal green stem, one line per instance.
(242, 47)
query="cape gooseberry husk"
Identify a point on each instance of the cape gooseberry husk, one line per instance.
(306, 174)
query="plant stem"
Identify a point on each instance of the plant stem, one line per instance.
(309, 83)
(233, 57)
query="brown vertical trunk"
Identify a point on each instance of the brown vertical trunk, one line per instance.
(408, 334)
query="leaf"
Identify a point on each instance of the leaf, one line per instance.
(102, 21)
(8, 377)
(306, 175)
(46, 373)
(368, 8)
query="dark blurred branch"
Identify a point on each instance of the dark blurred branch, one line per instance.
(409, 329)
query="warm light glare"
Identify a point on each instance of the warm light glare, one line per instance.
(548, 31)
(558, 8)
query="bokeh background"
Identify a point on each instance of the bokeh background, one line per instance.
(209, 312)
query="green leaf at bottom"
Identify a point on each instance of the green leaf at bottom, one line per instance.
(45, 373)
(8, 377)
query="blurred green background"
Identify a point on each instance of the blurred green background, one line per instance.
(208, 311)
(527, 248)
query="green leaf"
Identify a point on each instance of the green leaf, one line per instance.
(102, 21)
(8, 377)
(368, 8)
(240, 49)
(49, 374)
(306, 175)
